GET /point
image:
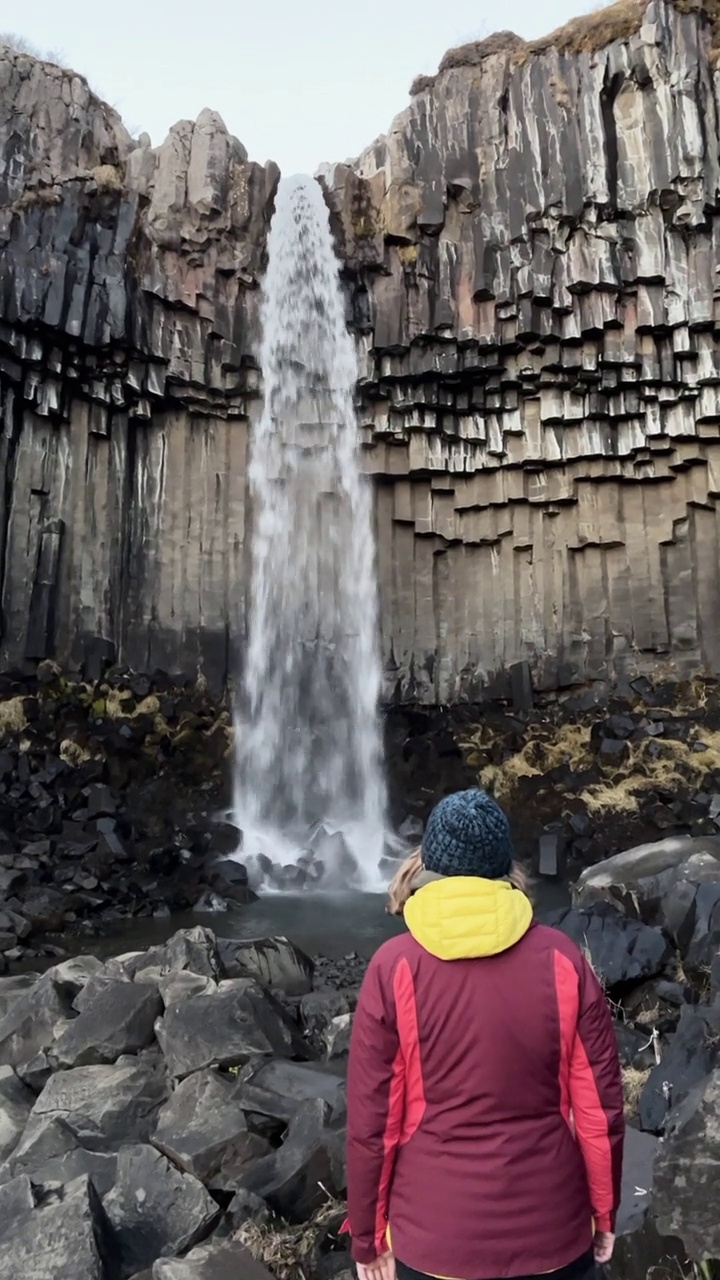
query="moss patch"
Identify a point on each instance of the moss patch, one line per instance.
(633, 1082)
(12, 716)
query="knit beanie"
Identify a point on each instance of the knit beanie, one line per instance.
(467, 834)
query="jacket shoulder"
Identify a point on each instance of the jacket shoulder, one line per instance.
(389, 953)
(547, 937)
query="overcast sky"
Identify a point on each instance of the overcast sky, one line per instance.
(298, 81)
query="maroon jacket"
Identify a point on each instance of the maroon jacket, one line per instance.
(485, 1109)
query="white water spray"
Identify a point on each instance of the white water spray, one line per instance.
(310, 794)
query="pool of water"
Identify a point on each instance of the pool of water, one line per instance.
(333, 925)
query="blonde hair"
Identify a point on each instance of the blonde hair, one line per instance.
(402, 886)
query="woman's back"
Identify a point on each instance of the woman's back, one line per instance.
(484, 1099)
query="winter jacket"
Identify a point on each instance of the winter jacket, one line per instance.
(485, 1110)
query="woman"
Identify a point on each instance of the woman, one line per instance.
(485, 1110)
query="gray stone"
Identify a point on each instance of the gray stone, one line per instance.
(16, 1103)
(621, 950)
(16, 1200)
(297, 1179)
(66, 1239)
(227, 1261)
(155, 1209)
(638, 1245)
(102, 1106)
(193, 950)
(202, 1129)
(693, 1052)
(275, 962)
(318, 1009)
(337, 1036)
(14, 986)
(226, 1029)
(33, 1022)
(279, 1089)
(687, 1172)
(119, 1020)
(175, 987)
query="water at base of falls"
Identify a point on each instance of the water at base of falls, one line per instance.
(309, 785)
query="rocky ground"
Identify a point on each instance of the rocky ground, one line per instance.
(169, 1115)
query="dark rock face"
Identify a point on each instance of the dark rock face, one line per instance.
(687, 1173)
(66, 1238)
(693, 1053)
(620, 950)
(154, 1209)
(203, 1129)
(120, 1020)
(226, 1029)
(519, 371)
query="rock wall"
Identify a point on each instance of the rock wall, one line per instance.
(128, 317)
(533, 259)
(531, 263)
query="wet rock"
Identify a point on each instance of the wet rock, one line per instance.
(66, 1239)
(203, 1130)
(16, 1103)
(176, 987)
(621, 950)
(225, 1261)
(103, 1106)
(226, 1029)
(276, 962)
(687, 1186)
(120, 1020)
(195, 950)
(154, 1209)
(13, 987)
(33, 1022)
(296, 1180)
(693, 1052)
(279, 1089)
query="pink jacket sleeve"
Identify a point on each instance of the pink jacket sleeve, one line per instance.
(596, 1098)
(374, 1082)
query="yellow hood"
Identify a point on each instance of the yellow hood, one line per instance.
(463, 917)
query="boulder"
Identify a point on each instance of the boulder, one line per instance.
(672, 883)
(692, 1053)
(337, 1036)
(203, 1130)
(687, 1172)
(102, 1106)
(279, 1089)
(275, 962)
(65, 1239)
(638, 1246)
(226, 1029)
(119, 1020)
(155, 1210)
(175, 987)
(621, 950)
(228, 1260)
(16, 1103)
(12, 987)
(297, 1179)
(318, 1009)
(34, 1021)
(194, 950)
(56, 1157)
(16, 1199)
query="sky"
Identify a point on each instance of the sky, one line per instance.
(301, 82)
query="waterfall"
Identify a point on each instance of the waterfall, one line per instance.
(309, 784)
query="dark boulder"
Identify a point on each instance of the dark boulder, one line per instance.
(228, 1260)
(195, 950)
(102, 1106)
(640, 1251)
(119, 1020)
(275, 962)
(226, 1029)
(279, 1089)
(16, 1103)
(66, 1238)
(33, 1022)
(690, 1056)
(203, 1130)
(621, 950)
(687, 1172)
(297, 1179)
(154, 1209)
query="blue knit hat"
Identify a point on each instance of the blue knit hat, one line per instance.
(468, 835)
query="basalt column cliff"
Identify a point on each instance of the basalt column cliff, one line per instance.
(532, 271)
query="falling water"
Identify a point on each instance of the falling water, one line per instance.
(310, 795)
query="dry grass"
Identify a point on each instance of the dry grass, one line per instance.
(588, 33)
(289, 1252)
(12, 716)
(108, 178)
(568, 744)
(633, 1082)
